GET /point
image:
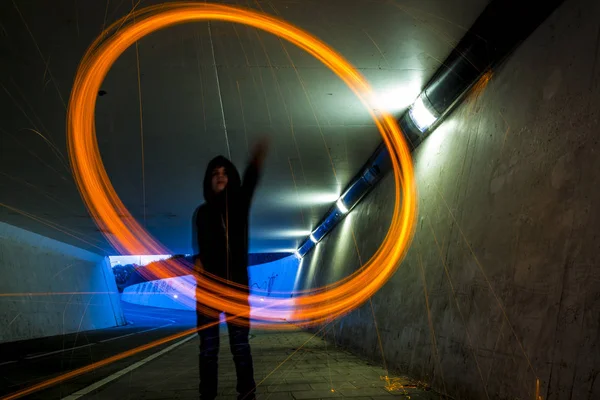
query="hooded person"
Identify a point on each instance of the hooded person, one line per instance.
(220, 227)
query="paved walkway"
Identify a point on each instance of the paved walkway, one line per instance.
(289, 365)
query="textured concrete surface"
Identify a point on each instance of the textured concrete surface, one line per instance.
(50, 288)
(500, 287)
(288, 365)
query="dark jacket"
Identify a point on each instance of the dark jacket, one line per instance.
(220, 225)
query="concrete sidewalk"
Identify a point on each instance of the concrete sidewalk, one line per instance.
(288, 365)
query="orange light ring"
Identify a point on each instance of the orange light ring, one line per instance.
(129, 237)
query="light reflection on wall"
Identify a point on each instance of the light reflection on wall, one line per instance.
(281, 233)
(290, 250)
(398, 98)
(344, 251)
(306, 198)
(311, 268)
(298, 276)
(431, 155)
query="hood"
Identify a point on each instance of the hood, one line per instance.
(233, 177)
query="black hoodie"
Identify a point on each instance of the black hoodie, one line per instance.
(221, 223)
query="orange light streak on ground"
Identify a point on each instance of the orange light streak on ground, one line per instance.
(129, 237)
(83, 370)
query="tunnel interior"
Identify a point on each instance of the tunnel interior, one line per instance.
(433, 237)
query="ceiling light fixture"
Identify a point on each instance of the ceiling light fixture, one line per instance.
(341, 206)
(421, 116)
(396, 99)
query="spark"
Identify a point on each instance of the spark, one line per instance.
(477, 89)
(105, 14)
(296, 189)
(430, 321)
(62, 270)
(378, 48)
(460, 313)
(139, 82)
(93, 366)
(308, 99)
(51, 224)
(14, 319)
(489, 284)
(52, 146)
(34, 155)
(198, 47)
(243, 117)
(212, 50)
(281, 96)
(40, 53)
(34, 187)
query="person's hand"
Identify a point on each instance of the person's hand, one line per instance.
(259, 153)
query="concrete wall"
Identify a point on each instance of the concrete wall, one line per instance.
(50, 288)
(501, 285)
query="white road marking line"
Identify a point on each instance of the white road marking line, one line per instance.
(133, 333)
(119, 374)
(31, 357)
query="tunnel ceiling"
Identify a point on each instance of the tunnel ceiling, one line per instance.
(320, 133)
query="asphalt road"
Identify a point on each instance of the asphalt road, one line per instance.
(26, 363)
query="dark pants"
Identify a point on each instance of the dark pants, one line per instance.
(209, 358)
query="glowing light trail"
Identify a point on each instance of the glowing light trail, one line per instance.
(129, 237)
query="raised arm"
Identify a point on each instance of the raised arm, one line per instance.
(254, 168)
